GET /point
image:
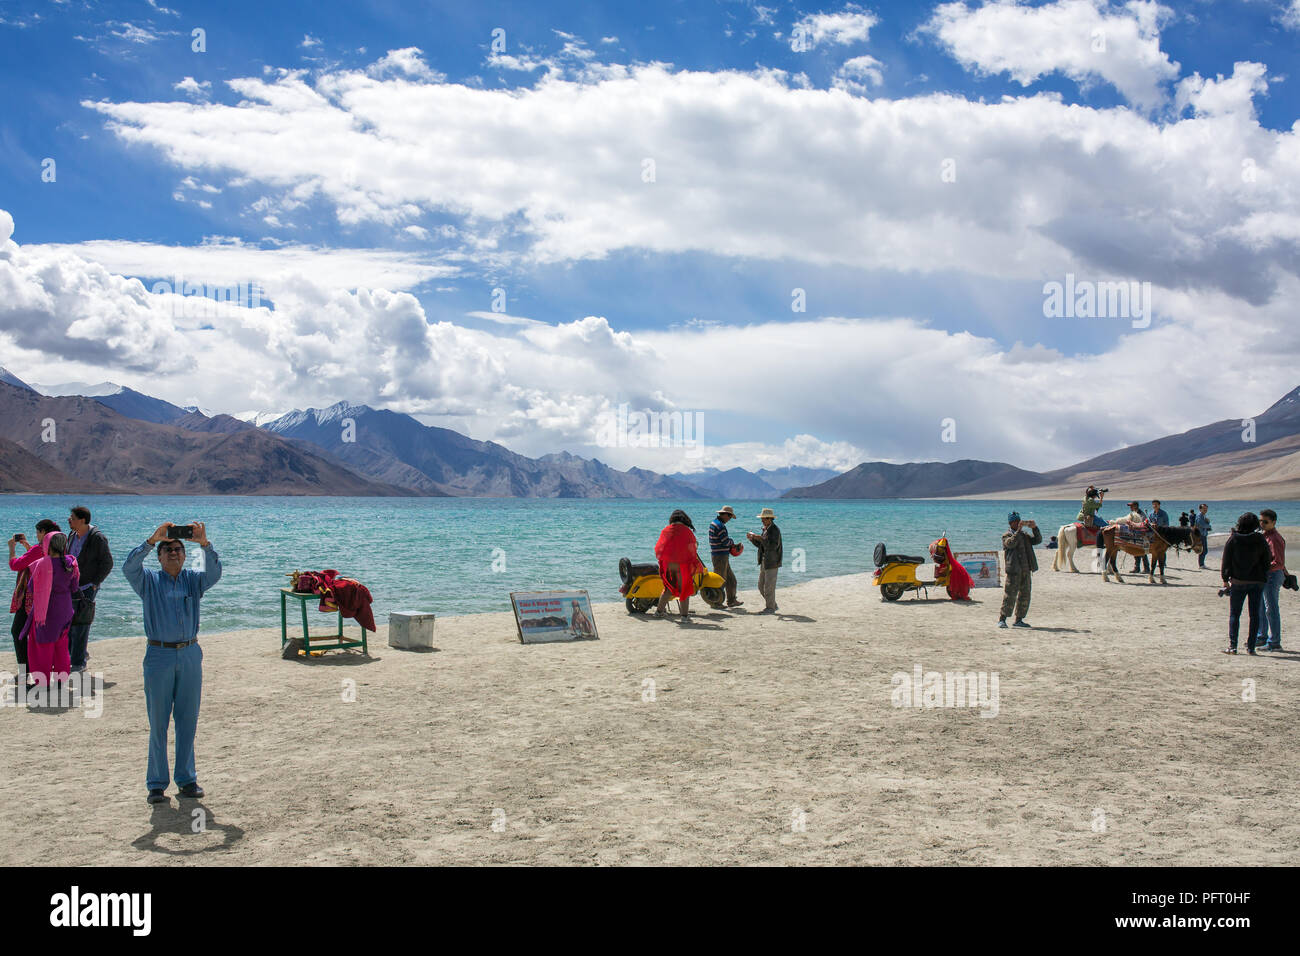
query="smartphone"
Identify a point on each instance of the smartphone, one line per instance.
(185, 531)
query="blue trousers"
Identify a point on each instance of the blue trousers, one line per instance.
(1249, 595)
(173, 683)
(1270, 625)
(78, 638)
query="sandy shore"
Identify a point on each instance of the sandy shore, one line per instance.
(769, 740)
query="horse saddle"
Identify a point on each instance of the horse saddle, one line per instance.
(1083, 535)
(1130, 534)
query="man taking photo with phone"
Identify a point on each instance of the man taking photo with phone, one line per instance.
(173, 661)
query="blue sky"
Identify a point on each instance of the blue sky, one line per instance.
(379, 169)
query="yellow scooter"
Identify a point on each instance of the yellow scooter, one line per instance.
(642, 586)
(896, 574)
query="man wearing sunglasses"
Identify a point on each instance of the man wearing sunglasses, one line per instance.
(173, 661)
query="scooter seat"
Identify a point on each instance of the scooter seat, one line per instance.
(628, 571)
(883, 557)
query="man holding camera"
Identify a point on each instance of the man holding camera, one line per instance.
(173, 661)
(1019, 562)
(1092, 500)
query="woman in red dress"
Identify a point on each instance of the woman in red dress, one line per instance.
(679, 562)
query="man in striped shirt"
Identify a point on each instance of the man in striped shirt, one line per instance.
(720, 548)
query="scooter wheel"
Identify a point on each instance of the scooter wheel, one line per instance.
(639, 605)
(713, 597)
(892, 592)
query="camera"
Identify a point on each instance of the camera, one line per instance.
(185, 531)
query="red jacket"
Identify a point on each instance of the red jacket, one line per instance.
(677, 546)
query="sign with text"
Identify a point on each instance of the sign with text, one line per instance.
(983, 568)
(544, 616)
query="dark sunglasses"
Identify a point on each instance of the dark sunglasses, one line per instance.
(173, 547)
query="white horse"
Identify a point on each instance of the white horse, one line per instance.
(1066, 545)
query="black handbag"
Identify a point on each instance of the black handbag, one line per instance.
(1290, 583)
(83, 608)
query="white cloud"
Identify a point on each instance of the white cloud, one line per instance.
(1234, 96)
(408, 61)
(1086, 40)
(1291, 15)
(231, 262)
(134, 34)
(309, 41)
(850, 25)
(859, 74)
(540, 387)
(554, 172)
(192, 87)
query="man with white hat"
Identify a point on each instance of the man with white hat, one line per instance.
(768, 544)
(721, 548)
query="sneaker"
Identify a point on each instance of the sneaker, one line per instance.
(1021, 624)
(1273, 647)
(768, 610)
(1229, 650)
(1251, 652)
(157, 796)
(1002, 622)
(191, 791)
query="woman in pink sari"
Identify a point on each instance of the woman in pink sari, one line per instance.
(20, 605)
(54, 578)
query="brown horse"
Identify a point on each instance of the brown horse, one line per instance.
(1163, 538)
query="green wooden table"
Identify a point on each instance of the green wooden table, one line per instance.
(335, 641)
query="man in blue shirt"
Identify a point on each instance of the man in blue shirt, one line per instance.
(173, 661)
(1201, 522)
(1159, 518)
(720, 548)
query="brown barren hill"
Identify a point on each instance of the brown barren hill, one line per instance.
(21, 471)
(94, 444)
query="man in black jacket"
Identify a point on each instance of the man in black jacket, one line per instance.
(89, 546)
(768, 544)
(1244, 569)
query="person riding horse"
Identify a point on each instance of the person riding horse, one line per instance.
(1092, 501)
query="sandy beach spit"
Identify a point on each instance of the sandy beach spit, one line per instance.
(1121, 736)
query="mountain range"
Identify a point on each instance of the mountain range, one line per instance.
(112, 438)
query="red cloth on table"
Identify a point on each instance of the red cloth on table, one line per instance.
(677, 546)
(339, 594)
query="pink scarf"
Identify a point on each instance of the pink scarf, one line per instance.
(22, 564)
(43, 579)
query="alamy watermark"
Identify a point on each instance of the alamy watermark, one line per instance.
(933, 689)
(79, 689)
(195, 300)
(621, 428)
(1088, 299)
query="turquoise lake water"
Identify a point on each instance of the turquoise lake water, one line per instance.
(436, 554)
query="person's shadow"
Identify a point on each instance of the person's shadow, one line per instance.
(190, 820)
